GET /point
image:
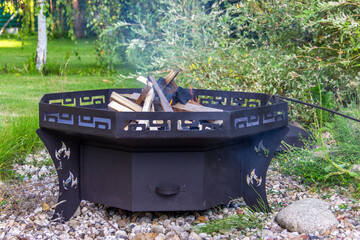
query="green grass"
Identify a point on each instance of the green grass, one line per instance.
(19, 53)
(239, 222)
(21, 89)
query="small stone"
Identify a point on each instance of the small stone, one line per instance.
(194, 236)
(203, 235)
(184, 235)
(120, 233)
(167, 222)
(60, 227)
(335, 232)
(121, 223)
(208, 212)
(306, 216)
(180, 221)
(187, 227)
(267, 233)
(139, 236)
(163, 217)
(84, 210)
(77, 212)
(156, 228)
(145, 219)
(160, 237)
(190, 218)
(172, 236)
(151, 236)
(73, 223)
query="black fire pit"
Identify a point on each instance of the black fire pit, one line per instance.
(184, 161)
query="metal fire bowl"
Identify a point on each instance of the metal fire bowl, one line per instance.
(183, 161)
(85, 114)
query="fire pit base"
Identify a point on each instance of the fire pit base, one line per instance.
(161, 179)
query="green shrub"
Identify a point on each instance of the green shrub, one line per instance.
(332, 158)
(285, 47)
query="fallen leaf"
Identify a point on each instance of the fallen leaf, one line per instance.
(201, 219)
(45, 206)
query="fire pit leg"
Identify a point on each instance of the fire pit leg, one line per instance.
(65, 155)
(257, 157)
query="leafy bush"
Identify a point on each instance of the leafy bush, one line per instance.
(282, 47)
(105, 14)
(333, 157)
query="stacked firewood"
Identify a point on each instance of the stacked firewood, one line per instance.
(163, 93)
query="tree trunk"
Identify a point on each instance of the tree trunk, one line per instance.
(79, 19)
(42, 37)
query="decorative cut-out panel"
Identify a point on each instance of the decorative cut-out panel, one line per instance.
(261, 150)
(70, 182)
(248, 121)
(82, 101)
(274, 116)
(92, 100)
(253, 179)
(62, 118)
(199, 125)
(95, 122)
(212, 100)
(64, 102)
(137, 125)
(63, 152)
(245, 102)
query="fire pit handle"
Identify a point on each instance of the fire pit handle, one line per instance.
(167, 191)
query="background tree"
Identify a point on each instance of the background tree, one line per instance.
(79, 28)
(41, 49)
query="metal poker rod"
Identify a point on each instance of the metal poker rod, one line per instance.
(319, 107)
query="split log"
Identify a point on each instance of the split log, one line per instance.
(143, 94)
(148, 101)
(143, 80)
(191, 107)
(118, 107)
(169, 79)
(124, 101)
(132, 96)
(163, 101)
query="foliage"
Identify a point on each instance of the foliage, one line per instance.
(241, 222)
(332, 158)
(282, 47)
(103, 14)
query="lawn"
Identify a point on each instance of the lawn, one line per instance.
(16, 53)
(21, 89)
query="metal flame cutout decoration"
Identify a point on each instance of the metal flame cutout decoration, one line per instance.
(261, 149)
(253, 178)
(63, 152)
(71, 181)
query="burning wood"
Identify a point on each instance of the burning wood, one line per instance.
(118, 107)
(125, 102)
(166, 90)
(192, 107)
(163, 101)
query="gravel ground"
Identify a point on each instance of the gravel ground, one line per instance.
(27, 207)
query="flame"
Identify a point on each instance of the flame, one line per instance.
(194, 98)
(171, 102)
